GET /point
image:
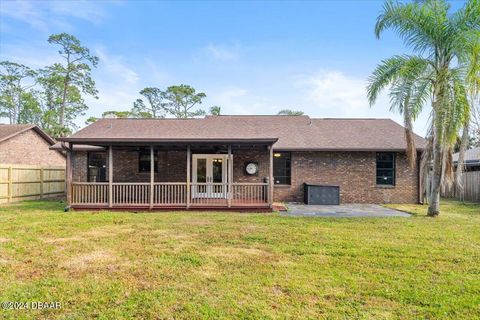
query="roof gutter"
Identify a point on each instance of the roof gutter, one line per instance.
(343, 149)
(469, 163)
(172, 140)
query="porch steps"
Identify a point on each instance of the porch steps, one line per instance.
(279, 206)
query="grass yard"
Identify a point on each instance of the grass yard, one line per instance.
(188, 265)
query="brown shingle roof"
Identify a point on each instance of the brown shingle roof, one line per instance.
(8, 131)
(292, 132)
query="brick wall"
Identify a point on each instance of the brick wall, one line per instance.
(354, 172)
(240, 159)
(79, 166)
(171, 166)
(31, 149)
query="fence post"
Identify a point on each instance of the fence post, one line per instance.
(41, 182)
(10, 184)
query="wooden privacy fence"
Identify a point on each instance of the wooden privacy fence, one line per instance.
(470, 190)
(22, 182)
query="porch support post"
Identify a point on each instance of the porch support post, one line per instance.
(189, 154)
(229, 176)
(152, 175)
(270, 178)
(420, 182)
(110, 176)
(69, 175)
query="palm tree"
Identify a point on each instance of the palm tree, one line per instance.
(439, 71)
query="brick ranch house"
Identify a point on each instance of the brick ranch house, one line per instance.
(231, 162)
(27, 144)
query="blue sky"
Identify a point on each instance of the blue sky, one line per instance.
(248, 57)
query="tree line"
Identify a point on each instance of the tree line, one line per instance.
(53, 97)
(180, 101)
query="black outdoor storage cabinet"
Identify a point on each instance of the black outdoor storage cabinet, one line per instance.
(318, 194)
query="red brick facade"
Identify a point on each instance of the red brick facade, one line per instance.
(29, 148)
(171, 166)
(354, 172)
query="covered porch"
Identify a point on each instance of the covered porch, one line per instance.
(170, 175)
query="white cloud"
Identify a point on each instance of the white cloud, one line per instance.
(231, 94)
(117, 83)
(336, 94)
(157, 76)
(223, 52)
(229, 99)
(335, 91)
(236, 100)
(116, 66)
(24, 11)
(45, 15)
(34, 54)
(85, 10)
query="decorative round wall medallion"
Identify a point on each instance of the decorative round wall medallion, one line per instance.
(251, 168)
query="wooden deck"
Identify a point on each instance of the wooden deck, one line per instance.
(174, 208)
(214, 204)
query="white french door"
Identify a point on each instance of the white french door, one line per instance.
(209, 175)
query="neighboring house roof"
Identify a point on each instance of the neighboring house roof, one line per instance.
(8, 131)
(472, 157)
(292, 132)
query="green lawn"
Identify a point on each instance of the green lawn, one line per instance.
(236, 265)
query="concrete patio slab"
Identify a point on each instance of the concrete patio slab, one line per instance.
(342, 211)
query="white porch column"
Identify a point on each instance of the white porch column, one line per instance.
(152, 175)
(229, 176)
(110, 176)
(189, 153)
(270, 179)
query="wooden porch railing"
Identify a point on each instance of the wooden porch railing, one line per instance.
(170, 194)
(247, 193)
(209, 194)
(131, 194)
(87, 193)
(217, 194)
